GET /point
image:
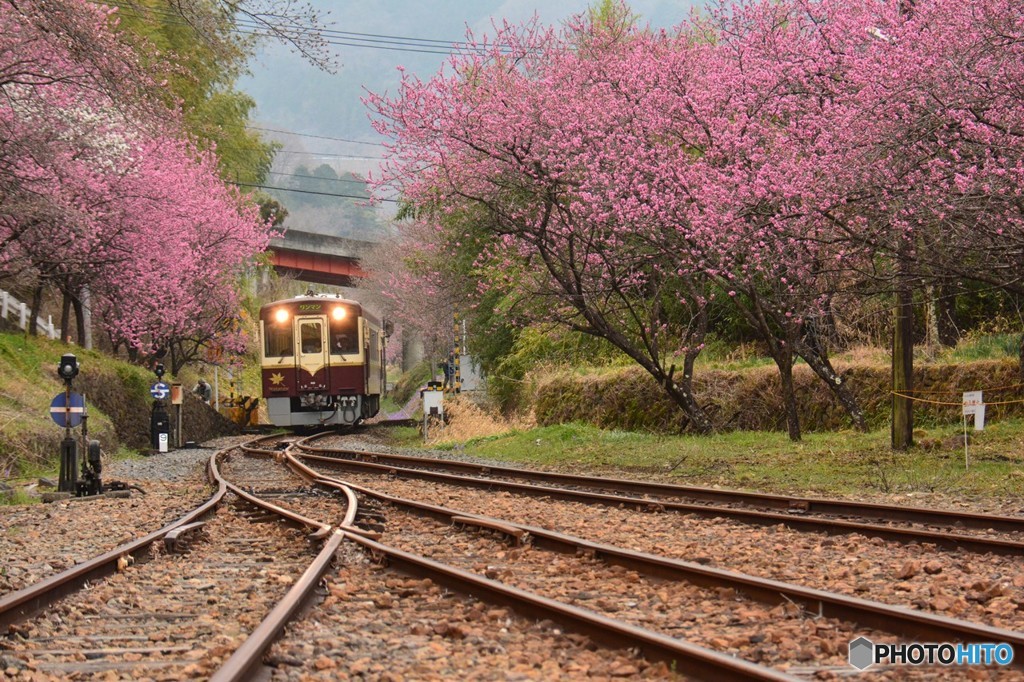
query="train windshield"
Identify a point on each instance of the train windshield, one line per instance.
(345, 334)
(312, 337)
(278, 340)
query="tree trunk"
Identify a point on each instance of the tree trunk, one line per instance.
(903, 370)
(820, 364)
(79, 318)
(681, 392)
(176, 360)
(37, 306)
(65, 317)
(784, 360)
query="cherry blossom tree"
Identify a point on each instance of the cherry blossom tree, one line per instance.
(512, 133)
(776, 154)
(757, 163)
(185, 240)
(98, 189)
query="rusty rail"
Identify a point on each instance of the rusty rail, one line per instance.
(943, 539)
(788, 503)
(894, 619)
(692, 660)
(242, 664)
(20, 604)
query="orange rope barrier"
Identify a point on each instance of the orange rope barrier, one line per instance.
(922, 400)
(996, 388)
(960, 404)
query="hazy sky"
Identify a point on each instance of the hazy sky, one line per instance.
(294, 96)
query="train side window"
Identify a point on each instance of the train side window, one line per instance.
(278, 341)
(311, 336)
(345, 335)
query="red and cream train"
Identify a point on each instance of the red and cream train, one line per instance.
(322, 361)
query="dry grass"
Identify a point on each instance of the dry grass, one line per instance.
(467, 420)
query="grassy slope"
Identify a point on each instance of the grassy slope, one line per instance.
(29, 439)
(842, 462)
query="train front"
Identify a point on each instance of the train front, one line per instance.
(317, 353)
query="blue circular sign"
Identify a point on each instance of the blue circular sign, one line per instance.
(67, 409)
(160, 390)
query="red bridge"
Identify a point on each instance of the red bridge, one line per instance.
(319, 258)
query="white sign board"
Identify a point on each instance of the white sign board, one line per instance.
(433, 402)
(163, 442)
(974, 404)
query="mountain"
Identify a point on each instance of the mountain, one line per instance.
(319, 117)
(293, 95)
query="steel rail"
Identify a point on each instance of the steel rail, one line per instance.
(898, 620)
(690, 659)
(246, 660)
(793, 504)
(24, 603)
(351, 502)
(21, 604)
(311, 476)
(945, 539)
(320, 530)
(243, 664)
(252, 447)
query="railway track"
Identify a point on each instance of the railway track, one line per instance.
(202, 596)
(999, 534)
(128, 636)
(718, 593)
(540, 597)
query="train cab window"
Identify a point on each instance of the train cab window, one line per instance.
(278, 341)
(311, 335)
(345, 335)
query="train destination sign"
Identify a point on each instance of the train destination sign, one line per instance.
(67, 409)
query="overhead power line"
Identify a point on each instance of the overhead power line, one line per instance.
(347, 157)
(316, 177)
(317, 137)
(309, 191)
(252, 27)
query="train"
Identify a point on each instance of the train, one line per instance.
(321, 361)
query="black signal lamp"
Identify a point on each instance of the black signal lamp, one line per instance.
(159, 371)
(68, 367)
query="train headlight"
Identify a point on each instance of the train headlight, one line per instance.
(338, 313)
(281, 316)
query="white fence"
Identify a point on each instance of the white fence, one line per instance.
(9, 305)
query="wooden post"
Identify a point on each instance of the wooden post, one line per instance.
(903, 369)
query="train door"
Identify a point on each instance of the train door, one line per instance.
(311, 342)
(374, 384)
